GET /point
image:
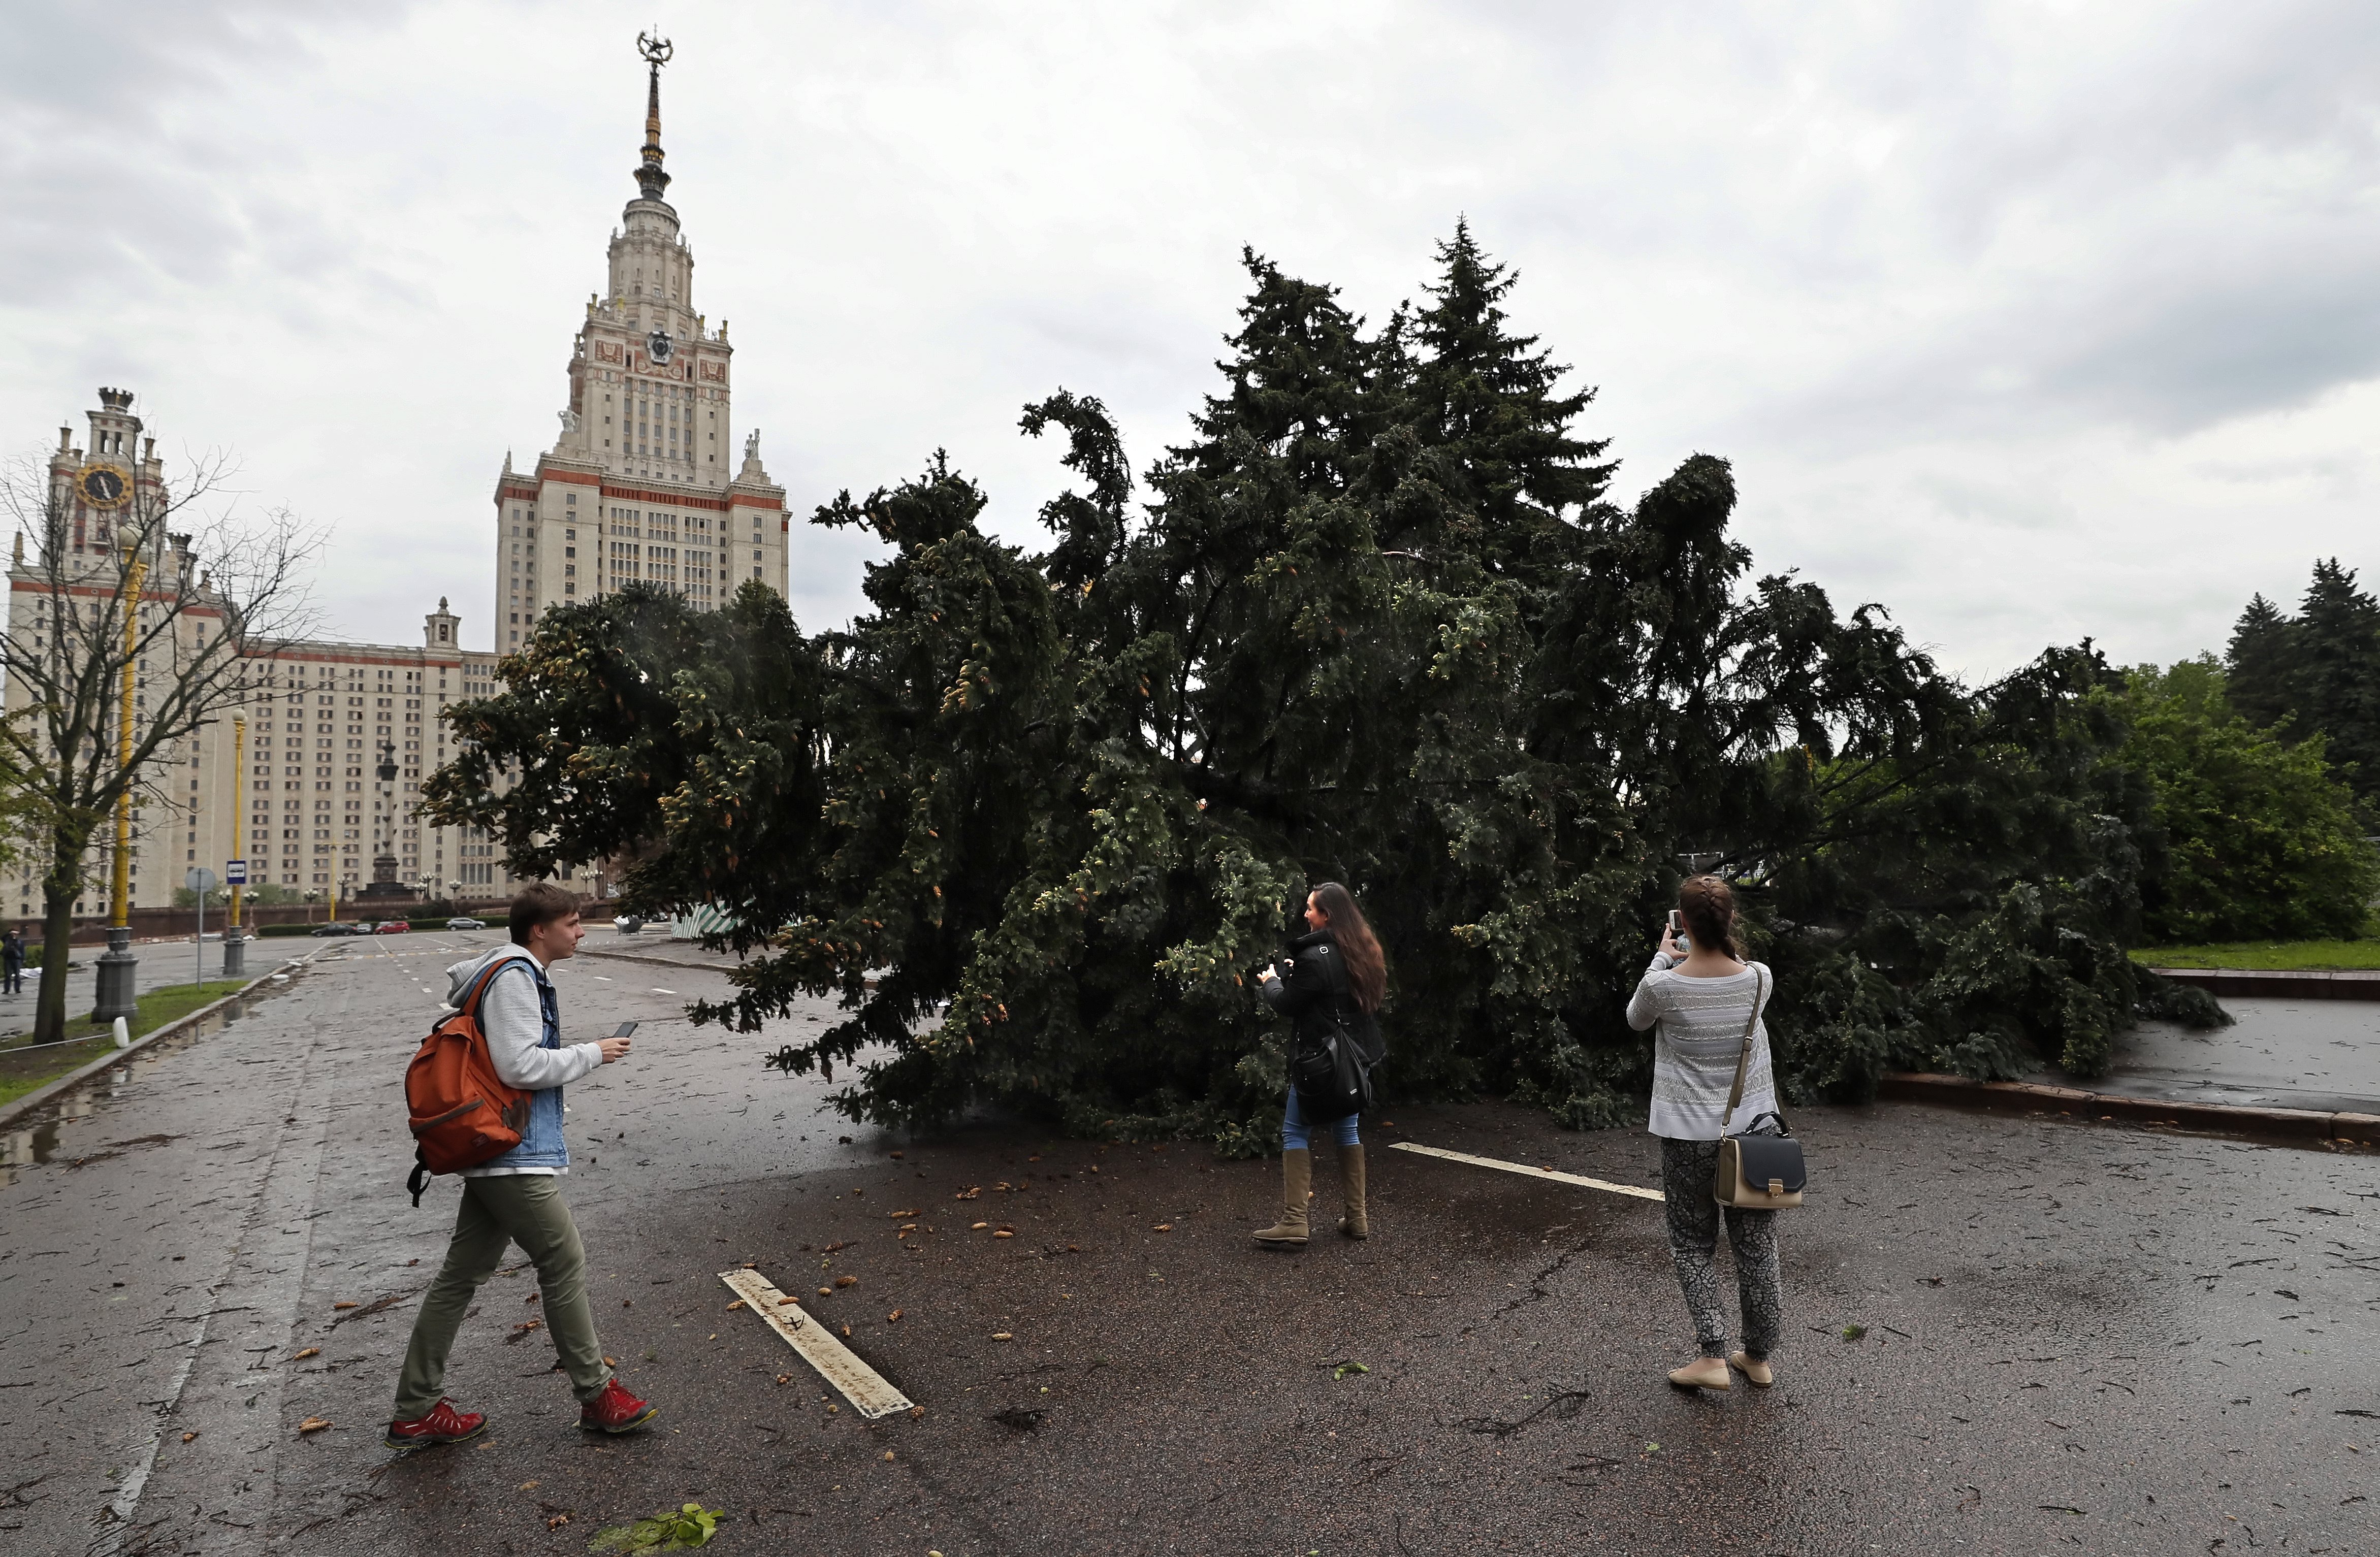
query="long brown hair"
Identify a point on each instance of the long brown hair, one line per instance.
(1708, 904)
(1367, 971)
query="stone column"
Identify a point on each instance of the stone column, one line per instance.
(115, 995)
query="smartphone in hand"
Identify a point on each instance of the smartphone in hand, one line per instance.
(625, 1029)
(1677, 926)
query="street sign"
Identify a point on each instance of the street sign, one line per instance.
(235, 872)
(198, 879)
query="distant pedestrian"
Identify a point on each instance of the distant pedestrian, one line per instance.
(12, 962)
(1333, 985)
(1698, 996)
(516, 1199)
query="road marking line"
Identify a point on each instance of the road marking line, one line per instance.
(661, 992)
(1524, 1168)
(862, 1385)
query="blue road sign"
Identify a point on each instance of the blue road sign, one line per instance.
(235, 872)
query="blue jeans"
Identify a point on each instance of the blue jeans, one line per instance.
(1294, 1136)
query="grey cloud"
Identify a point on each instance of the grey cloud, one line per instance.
(1913, 267)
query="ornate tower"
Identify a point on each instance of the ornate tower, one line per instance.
(642, 484)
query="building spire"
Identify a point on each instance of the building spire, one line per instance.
(651, 178)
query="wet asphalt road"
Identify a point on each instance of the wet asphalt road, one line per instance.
(2073, 1336)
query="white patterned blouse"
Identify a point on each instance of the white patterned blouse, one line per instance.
(1698, 1033)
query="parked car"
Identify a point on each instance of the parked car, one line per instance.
(628, 924)
(465, 921)
(336, 927)
(392, 927)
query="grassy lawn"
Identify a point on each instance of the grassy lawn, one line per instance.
(22, 1069)
(2266, 956)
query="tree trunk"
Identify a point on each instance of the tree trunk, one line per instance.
(59, 888)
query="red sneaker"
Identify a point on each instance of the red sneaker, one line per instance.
(615, 1410)
(443, 1425)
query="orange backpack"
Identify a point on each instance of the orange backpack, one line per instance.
(463, 1114)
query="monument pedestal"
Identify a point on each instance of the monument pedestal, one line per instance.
(116, 995)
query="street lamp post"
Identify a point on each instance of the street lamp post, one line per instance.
(235, 953)
(115, 991)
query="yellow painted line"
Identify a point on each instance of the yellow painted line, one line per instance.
(862, 1385)
(1524, 1170)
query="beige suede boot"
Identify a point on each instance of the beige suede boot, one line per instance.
(1351, 1182)
(1707, 1373)
(1296, 1189)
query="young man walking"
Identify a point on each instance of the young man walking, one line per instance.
(516, 1199)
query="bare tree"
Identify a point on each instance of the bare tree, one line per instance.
(214, 589)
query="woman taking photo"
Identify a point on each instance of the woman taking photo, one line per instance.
(1333, 986)
(1698, 996)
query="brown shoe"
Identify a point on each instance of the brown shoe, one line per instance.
(1757, 1371)
(1351, 1185)
(1296, 1189)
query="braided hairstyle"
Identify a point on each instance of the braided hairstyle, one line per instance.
(1708, 904)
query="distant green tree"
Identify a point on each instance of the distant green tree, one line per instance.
(2259, 841)
(2261, 663)
(2338, 673)
(2319, 671)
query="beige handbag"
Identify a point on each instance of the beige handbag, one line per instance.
(1761, 1169)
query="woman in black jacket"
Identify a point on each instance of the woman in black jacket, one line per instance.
(1333, 986)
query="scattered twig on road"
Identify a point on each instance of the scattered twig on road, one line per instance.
(1565, 1405)
(374, 1307)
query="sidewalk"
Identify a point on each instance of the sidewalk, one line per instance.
(604, 942)
(2317, 1053)
(161, 962)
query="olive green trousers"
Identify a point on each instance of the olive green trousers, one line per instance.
(524, 1209)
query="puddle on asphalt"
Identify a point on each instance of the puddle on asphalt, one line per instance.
(38, 1145)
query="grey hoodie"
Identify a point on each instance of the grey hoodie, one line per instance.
(515, 1023)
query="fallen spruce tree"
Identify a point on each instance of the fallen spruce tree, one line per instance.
(1034, 816)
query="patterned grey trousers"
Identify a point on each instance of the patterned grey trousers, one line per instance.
(1686, 1170)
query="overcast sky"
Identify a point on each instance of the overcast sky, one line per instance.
(2028, 321)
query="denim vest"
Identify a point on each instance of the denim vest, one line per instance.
(541, 1145)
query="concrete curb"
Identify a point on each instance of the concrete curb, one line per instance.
(2294, 1124)
(2305, 983)
(11, 1111)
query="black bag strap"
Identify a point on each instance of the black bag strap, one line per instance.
(1735, 1093)
(418, 1179)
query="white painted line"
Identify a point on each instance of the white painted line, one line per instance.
(862, 1385)
(663, 991)
(1527, 1171)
